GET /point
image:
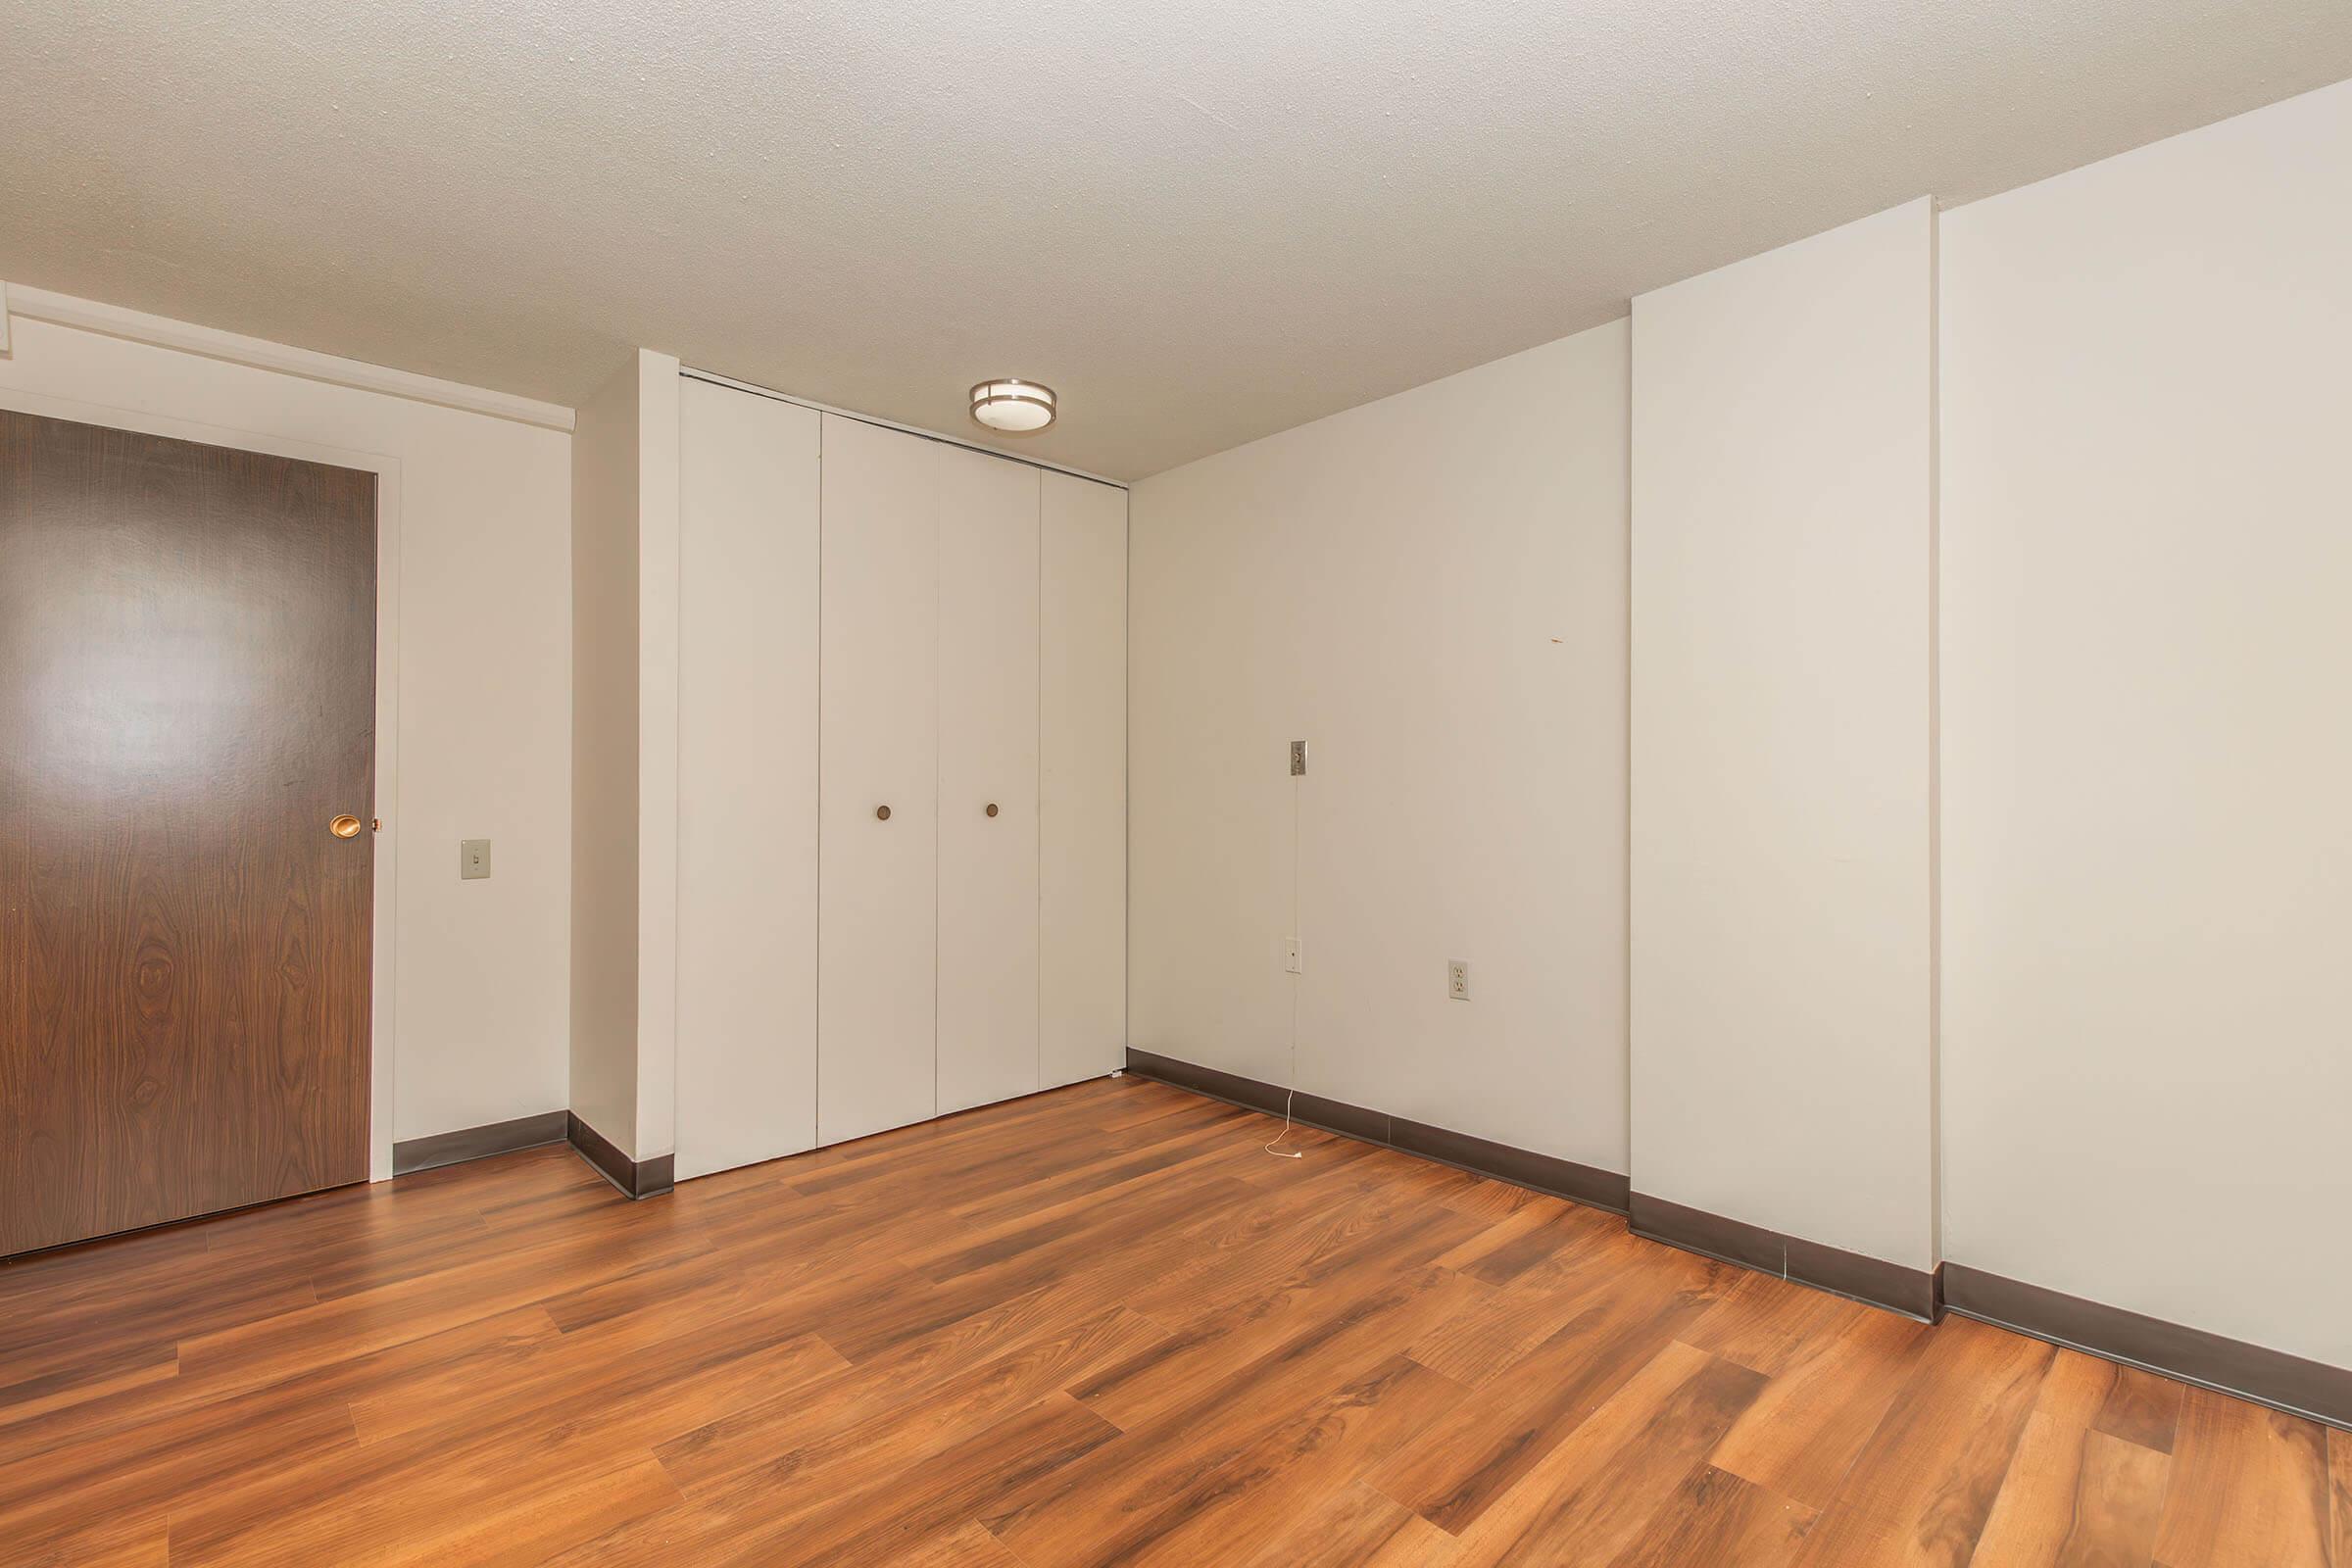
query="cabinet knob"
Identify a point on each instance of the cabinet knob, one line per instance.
(992, 808)
(882, 813)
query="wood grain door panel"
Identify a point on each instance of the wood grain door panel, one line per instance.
(186, 700)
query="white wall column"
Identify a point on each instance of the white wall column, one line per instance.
(625, 758)
(1783, 801)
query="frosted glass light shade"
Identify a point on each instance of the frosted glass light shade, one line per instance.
(1013, 407)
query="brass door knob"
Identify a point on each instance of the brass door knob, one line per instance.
(992, 808)
(346, 826)
(882, 813)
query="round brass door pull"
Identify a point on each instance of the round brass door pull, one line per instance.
(345, 826)
(992, 808)
(882, 813)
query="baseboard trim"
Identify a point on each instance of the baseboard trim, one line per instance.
(2313, 1390)
(1588, 1185)
(1912, 1292)
(635, 1178)
(479, 1143)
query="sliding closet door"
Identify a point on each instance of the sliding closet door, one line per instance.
(877, 945)
(988, 825)
(1082, 707)
(746, 778)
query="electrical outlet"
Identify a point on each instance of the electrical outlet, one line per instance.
(1290, 960)
(473, 859)
(1457, 979)
(1298, 759)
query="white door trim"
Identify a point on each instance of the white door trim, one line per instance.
(380, 1032)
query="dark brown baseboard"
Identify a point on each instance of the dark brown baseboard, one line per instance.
(2283, 1382)
(646, 1178)
(1912, 1292)
(477, 1143)
(1544, 1173)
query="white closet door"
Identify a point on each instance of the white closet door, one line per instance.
(746, 779)
(988, 630)
(877, 935)
(1082, 814)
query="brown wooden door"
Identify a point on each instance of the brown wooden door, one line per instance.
(187, 674)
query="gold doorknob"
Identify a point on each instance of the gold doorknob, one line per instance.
(345, 826)
(992, 808)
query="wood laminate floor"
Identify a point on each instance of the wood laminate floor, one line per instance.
(1095, 1326)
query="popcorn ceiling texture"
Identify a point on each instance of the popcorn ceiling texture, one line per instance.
(1201, 222)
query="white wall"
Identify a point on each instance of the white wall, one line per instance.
(2148, 564)
(624, 917)
(604, 760)
(481, 991)
(1431, 591)
(658, 610)
(1783, 592)
(1082, 778)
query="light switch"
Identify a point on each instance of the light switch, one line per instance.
(473, 859)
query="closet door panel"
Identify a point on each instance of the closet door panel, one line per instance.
(746, 778)
(877, 958)
(1082, 707)
(988, 757)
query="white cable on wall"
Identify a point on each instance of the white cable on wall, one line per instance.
(1291, 1092)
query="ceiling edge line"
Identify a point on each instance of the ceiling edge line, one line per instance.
(260, 354)
(692, 372)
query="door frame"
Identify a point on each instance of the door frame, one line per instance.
(386, 469)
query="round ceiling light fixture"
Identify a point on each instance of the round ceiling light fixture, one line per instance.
(1015, 407)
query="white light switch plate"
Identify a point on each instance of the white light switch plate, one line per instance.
(473, 859)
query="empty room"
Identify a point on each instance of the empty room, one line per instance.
(867, 784)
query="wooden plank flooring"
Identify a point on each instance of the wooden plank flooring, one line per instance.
(1095, 1326)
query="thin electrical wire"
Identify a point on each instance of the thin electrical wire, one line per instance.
(1292, 1093)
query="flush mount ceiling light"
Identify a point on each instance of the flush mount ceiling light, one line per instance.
(1017, 408)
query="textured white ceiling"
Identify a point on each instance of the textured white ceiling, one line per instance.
(1201, 223)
